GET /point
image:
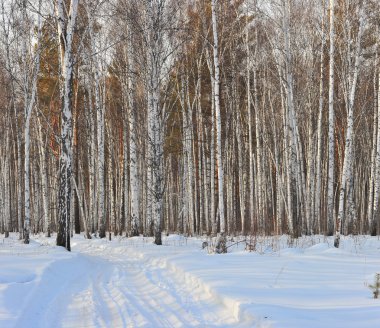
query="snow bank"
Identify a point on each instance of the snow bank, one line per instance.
(284, 283)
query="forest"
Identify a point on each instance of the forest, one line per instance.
(196, 117)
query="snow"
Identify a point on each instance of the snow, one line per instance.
(130, 282)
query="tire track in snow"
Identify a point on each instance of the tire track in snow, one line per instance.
(127, 292)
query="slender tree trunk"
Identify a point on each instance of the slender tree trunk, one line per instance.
(374, 224)
(213, 219)
(156, 111)
(318, 189)
(292, 132)
(347, 162)
(66, 26)
(30, 97)
(44, 181)
(250, 146)
(218, 118)
(331, 139)
(375, 139)
(373, 164)
(133, 160)
(91, 162)
(6, 204)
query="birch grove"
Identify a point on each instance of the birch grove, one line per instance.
(206, 117)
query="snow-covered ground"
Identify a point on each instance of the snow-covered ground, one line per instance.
(129, 282)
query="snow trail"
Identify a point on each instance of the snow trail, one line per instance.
(130, 282)
(124, 291)
(100, 286)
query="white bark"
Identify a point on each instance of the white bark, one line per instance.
(318, 196)
(259, 136)
(188, 156)
(347, 162)
(111, 193)
(310, 183)
(213, 219)
(250, 144)
(30, 93)
(100, 126)
(91, 162)
(241, 171)
(203, 202)
(155, 10)
(373, 223)
(375, 145)
(373, 161)
(190, 161)
(133, 160)
(66, 27)
(294, 156)
(331, 139)
(5, 202)
(44, 181)
(218, 119)
(206, 185)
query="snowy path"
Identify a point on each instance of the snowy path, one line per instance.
(128, 292)
(100, 287)
(129, 282)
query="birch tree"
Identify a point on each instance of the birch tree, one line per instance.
(318, 184)
(370, 213)
(250, 131)
(66, 19)
(155, 16)
(372, 222)
(348, 153)
(44, 180)
(131, 118)
(218, 119)
(331, 138)
(30, 90)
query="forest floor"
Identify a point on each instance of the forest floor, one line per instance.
(130, 282)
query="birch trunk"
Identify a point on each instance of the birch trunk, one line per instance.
(259, 178)
(347, 162)
(318, 195)
(241, 171)
(100, 161)
(111, 191)
(66, 27)
(129, 226)
(375, 137)
(155, 37)
(292, 132)
(44, 182)
(213, 219)
(30, 98)
(203, 203)
(373, 162)
(91, 163)
(375, 225)
(133, 160)
(6, 204)
(218, 119)
(190, 161)
(331, 139)
(250, 146)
